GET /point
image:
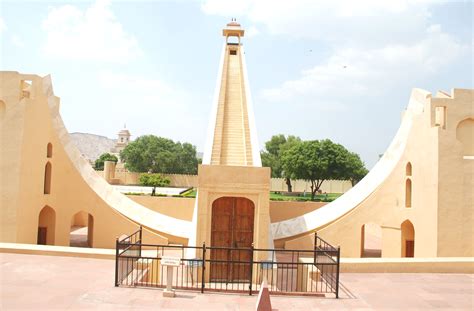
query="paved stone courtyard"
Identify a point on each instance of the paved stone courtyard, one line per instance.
(63, 283)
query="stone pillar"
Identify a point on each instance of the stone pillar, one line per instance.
(391, 241)
(109, 171)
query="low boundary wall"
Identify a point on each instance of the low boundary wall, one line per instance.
(348, 265)
(124, 177)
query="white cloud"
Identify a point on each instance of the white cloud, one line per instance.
(17, 41)
(145, 90)
(370, 41)
(3, 27)
(353, 72)
(341, 21)
(226, 7)
(252, 31)
(150, 105)
(92, 34)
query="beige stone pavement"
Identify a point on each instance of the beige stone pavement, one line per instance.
(33, 282)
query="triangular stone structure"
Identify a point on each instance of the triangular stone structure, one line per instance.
(232, 204)
(232, 137)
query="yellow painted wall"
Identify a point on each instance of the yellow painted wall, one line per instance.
(181, 208)
(124, 177)
(283, 210)
(456, 176)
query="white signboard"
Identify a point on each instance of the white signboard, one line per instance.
(170, 261)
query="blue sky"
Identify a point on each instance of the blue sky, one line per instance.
(342, 70)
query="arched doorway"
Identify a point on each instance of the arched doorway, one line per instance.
(371, 241)
(82, 230)
(408, 239)
(46, 226)
(232, 227)
(464, 134)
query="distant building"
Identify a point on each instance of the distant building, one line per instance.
(122, 141)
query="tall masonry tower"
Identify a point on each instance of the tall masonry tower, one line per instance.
(232, 138)
(233, 188)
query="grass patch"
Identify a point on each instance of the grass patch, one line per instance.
(278, 196)
(191, 193)
(274, 196)
(134, 193)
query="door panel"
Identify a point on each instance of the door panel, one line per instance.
(410, 248)
(232, 226)
(42, 234)
(243, 238)
(221, 236)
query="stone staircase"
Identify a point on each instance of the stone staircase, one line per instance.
(232, 145)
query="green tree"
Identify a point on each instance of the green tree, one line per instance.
(317, 161)
(99, 163)
(154, 154)
(271, 156)
(355, 168)
(153, 180)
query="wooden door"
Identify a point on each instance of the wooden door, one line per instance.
(232, 227)
(242, 238)
(221, 236)
(409, 248)
(42, 234)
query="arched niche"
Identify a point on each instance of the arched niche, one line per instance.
(82, 230)
(408, 169)
(46, 226)
(3, 108)
(371, 240)
(408, 192)
(408, 239)
(47, 178)
(49, 150)
(465, 134)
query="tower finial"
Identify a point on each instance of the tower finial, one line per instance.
(233, 28)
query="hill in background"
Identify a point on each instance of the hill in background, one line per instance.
(92, 146)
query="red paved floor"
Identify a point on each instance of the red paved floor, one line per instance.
(64, 283)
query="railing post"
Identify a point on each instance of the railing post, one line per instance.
(140, 249)
(315, 254)
(337, 270)
(251, 270)
(203, 267)
(116, 260)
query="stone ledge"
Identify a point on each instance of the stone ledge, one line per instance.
(406, 265)
(51, 250)
(348, 265)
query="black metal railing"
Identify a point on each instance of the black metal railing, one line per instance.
(208, 268)
(128, 250)
(326, 255)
